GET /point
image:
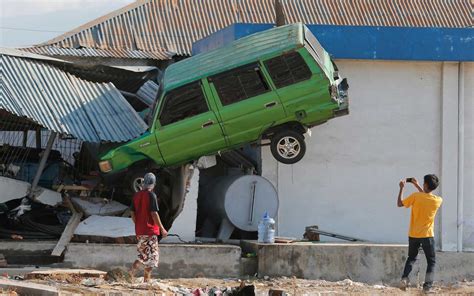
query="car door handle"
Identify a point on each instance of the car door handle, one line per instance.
(207, 124)
(271, 104)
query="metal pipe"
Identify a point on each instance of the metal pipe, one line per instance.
(460, 189)
(42, 165)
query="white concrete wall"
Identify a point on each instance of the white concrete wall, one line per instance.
(348, 181)
(468, 233)
(185, 223)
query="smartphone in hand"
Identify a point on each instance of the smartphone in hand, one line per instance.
(409, 180)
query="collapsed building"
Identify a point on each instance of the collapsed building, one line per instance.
(153, 34)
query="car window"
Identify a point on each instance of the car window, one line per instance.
(240, 84)
(288, 69)
(183, 102)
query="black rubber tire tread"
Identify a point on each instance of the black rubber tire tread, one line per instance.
(283, 133)
(128, 180)
(29, 220)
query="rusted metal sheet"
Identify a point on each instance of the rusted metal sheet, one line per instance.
(64, 103)
(157, 26)
(93, 52)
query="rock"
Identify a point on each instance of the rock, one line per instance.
(118, 275)
(92, 282)
(273, 292)
(378, 287)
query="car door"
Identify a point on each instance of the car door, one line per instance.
(187, 128)
(300, 88)
(247, 105)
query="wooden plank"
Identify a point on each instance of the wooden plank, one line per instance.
(72, 188)
(284, 240)
(67, 234)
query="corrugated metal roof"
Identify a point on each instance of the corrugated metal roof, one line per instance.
(147, 92)
(240, 52)
(93, 52)
(64, 103)
(173, 25)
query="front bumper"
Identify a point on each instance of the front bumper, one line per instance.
(339, 94)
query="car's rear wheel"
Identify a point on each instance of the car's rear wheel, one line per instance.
(288, 146)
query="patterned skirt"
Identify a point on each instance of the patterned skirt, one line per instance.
(148, 252)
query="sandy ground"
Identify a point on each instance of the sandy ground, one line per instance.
(206, 286)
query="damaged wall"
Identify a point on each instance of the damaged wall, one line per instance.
(352, 166)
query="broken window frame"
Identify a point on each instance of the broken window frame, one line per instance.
(245, 91)
(194, 111)
(290, 78)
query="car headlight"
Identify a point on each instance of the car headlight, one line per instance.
(105, 166)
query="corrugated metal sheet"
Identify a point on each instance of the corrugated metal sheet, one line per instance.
(173, 25)
(61, 102)
(92, 52)
(239, 52)
(147, 93)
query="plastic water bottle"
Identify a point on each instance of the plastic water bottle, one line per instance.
(261, 231)
(266, 230)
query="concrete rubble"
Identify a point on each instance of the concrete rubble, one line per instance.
(99, 206)
(118, 281)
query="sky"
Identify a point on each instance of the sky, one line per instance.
(29, 22)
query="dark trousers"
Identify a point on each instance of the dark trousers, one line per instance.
(428, 246)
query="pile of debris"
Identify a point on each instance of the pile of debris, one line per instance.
(24, 218)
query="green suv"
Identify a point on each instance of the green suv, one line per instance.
(272, 85)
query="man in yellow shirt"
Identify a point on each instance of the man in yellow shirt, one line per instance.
(424, 206)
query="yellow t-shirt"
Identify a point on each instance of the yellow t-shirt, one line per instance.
(423, 211)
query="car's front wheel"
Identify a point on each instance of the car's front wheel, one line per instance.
(133, 181)
(288, 146)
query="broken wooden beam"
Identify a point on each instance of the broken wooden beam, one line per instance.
(67, 234)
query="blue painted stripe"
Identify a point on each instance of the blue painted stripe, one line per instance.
(369, 43)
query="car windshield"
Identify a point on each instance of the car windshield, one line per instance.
(154, 107)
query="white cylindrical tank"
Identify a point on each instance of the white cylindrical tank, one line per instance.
(242, 199)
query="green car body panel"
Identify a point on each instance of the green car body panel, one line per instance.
(309, 102)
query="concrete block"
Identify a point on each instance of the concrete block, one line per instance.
(369, 263)
(28, 288)
(176, 260)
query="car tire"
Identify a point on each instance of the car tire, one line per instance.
(133, 181)
(288, 146)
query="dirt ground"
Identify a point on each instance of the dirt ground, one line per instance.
(207, 286)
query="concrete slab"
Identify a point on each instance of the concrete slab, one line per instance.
(27, 288)
(105, 226)
(176, 260)
(86, 273)
(99, 206)
(368, 263)
(11, 189)
(12, 271)
(26, 245)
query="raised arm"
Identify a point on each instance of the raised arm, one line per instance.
(400, 194)
(417, 185)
